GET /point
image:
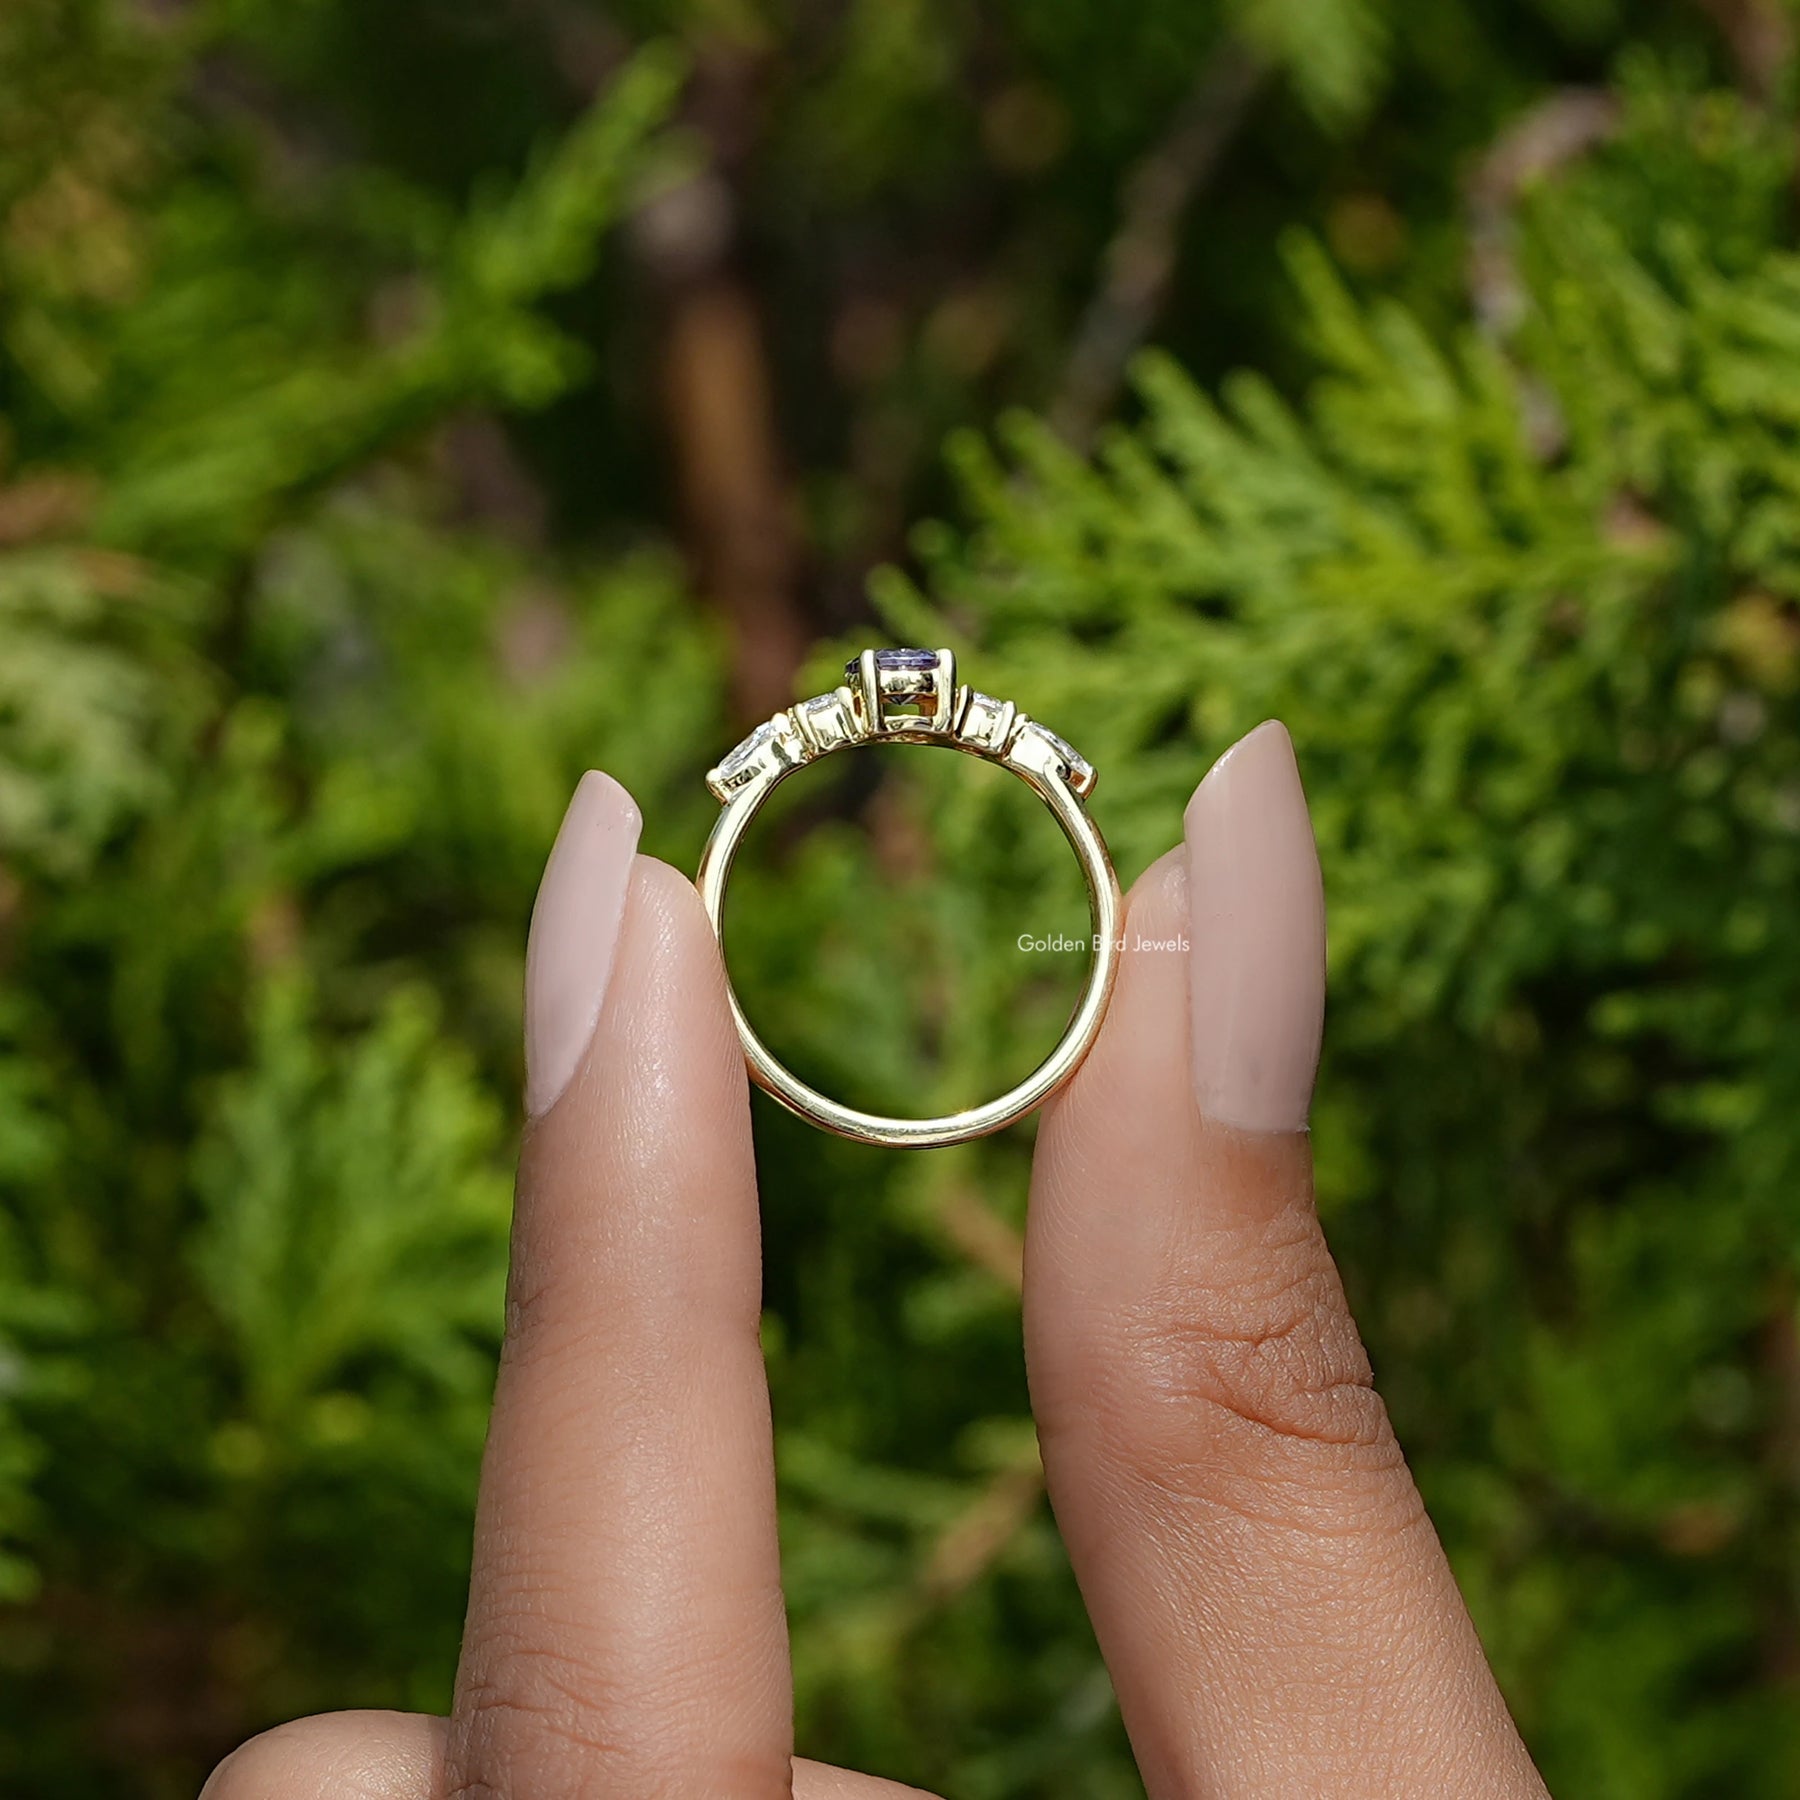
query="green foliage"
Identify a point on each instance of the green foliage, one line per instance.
(79, 707)
(290, 703)
(351, 1245)
(287, 1251)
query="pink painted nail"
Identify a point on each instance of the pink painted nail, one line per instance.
(1257, 958)
(574, 930)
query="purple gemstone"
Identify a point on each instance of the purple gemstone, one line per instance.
(900, 662)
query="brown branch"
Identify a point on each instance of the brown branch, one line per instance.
(717, 393)
(979, 1535)
(1140, 260)
(728, 462)
(981, 1236)
(1553, 134)
(720, 400)
(1781, 1365)
(1760, 38)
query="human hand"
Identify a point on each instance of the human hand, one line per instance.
(1271, 1599)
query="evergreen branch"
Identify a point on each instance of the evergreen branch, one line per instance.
(1140, 259)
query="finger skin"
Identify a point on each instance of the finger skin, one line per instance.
(400, 1756)
(820, 1781)
(626, 1634)
(338, 1756)
(1270, 1596)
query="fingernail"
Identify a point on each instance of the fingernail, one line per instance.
(1257, 952)
(574, 930)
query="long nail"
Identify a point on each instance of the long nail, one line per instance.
(1257, 955)
(574, 931)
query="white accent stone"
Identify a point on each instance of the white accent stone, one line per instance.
(1078, 764)
(742, 755)
(982, 718)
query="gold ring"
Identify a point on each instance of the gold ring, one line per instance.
(911, 697)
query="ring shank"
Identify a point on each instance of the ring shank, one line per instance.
(1104, 908)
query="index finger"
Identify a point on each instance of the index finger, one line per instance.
(626, 1633)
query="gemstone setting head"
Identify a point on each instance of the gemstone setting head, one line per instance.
(904, 691)
(899, 662)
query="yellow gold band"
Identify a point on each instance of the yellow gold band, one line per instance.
(912, 697)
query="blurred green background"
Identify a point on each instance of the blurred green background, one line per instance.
(405, 406)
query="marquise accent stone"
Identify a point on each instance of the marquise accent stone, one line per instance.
(1078, 763)
(1079, 768)
(741, 756)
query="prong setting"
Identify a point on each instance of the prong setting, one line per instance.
(903, 693)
